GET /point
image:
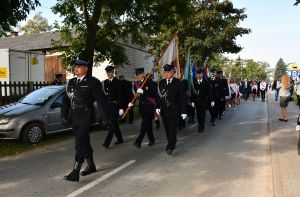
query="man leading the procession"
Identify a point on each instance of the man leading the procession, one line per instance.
(171, 105)
(217, 95)
(201, 95)
(78, 108)
(147, 105)
(113, 93)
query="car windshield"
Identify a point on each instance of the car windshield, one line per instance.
(40, 96)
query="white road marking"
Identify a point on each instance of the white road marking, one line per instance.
(100, 179)
(192, 126)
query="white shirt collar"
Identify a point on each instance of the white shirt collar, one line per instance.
(170, 80)
(81, 77)
(199, 80)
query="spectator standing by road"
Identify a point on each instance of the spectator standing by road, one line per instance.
(58, 79)
(284, 97)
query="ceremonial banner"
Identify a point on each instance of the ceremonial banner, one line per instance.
(171, 56)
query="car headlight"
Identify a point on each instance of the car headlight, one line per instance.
(4, 120)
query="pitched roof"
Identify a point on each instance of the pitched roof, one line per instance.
(29, 42)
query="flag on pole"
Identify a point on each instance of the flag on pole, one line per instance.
(194, 70)
(188, 75)
(171, 56)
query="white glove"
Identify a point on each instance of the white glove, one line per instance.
(140, 91)
(183, 116)
(130, 104)
(193, 104)
(121, 112)
(226, 97)
(212, 104)
(157, 111)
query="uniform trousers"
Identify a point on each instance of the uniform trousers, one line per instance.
(201, 114)
(147, 113)
(113, 125)
(170, 124)
(263, 94)
(83, 146)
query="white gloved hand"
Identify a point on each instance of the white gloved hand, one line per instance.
(157, 111)
(121, 112)
(140, 91)
(212, 104)
(183, 116)
(130, 104)
(227, 97)
(193, 104)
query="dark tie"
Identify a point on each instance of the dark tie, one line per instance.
(168, 81)
(78, 81)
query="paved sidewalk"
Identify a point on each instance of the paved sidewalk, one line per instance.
(285, 159)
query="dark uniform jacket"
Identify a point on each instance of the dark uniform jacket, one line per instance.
(201, 93)
(113, 91)
(217, 89)
(172, 98)
(77, 106)
(149, 94)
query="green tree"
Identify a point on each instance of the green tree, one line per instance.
(13, 11)
(37, 24)
(98, 26)
(208, 28)
(280, 69)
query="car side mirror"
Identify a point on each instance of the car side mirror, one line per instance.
(55, 105)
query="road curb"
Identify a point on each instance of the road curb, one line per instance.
(276, 173)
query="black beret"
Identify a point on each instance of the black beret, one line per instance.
(139, 71)
(109, 68)
(199, 71)
(168, 67)
(79, 62)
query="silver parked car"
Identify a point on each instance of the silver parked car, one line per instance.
(34, 116)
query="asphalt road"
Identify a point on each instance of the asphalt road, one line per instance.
(230, 159)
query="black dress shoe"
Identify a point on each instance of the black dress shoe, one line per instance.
(119, 142)
(105, 146)
(169, 151)
(138, 145)
(88, 170)
(151, 143)
(73, 176)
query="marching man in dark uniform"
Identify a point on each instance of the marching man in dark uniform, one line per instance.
(147, 106)
(171, 105)
(225, 95)
(217, 96)
(113, 93)
(201, 95)
(78, 108)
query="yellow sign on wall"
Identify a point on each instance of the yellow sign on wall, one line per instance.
(3, 72)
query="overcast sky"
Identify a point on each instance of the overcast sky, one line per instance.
(274, 24)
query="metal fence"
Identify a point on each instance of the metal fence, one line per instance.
(13, 91)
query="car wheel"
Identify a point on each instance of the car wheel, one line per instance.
(32, 133)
